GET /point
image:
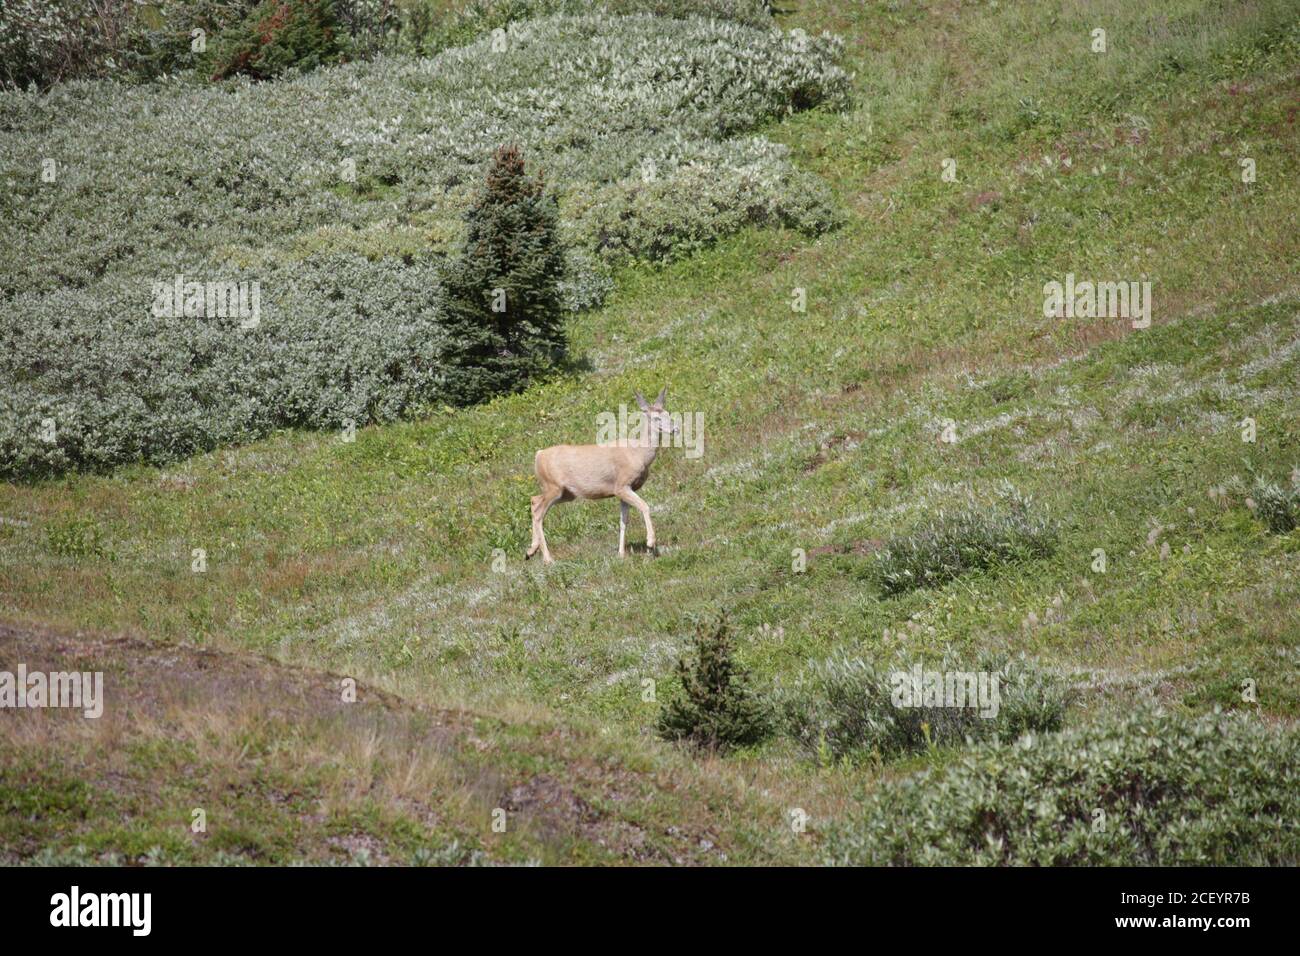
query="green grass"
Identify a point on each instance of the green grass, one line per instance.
(822, 429)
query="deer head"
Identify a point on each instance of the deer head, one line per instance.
(658, 421)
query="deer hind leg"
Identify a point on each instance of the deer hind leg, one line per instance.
(630, 497)
(622, 526)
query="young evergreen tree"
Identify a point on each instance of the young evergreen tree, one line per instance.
(716, 710)
(503, 305)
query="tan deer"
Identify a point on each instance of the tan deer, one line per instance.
(566, 472)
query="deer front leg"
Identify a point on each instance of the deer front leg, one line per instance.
(537, 541)
(630, 497)
(622, 527)
(542, 504)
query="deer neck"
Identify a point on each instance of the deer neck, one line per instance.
(644, 451)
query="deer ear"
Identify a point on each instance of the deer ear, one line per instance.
(640, 400)
(663, 393)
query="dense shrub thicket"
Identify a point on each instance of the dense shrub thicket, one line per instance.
(846, 707)
(46, 41)
(350, 339)
(342, 192)
(1146, 789)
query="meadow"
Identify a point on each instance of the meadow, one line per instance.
(905, 460)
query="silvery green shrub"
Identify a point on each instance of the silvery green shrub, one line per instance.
(43, 41)
(1278, 507)
(975, 537)
(844, 706)
(149, 171)
(1145, 789)
(739, 182)
(427, 26)
(587, 279)
(340, 337)
(250, 181)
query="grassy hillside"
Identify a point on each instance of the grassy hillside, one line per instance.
(824, 431)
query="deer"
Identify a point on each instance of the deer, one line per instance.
(592, 472)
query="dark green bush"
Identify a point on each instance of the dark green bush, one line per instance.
(504, 306)
(260, 38)
(847, 707)
(716, 709)
(1277, 507)
(278, 35)
(162, 40)
(1145, 789)
(974, 538)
